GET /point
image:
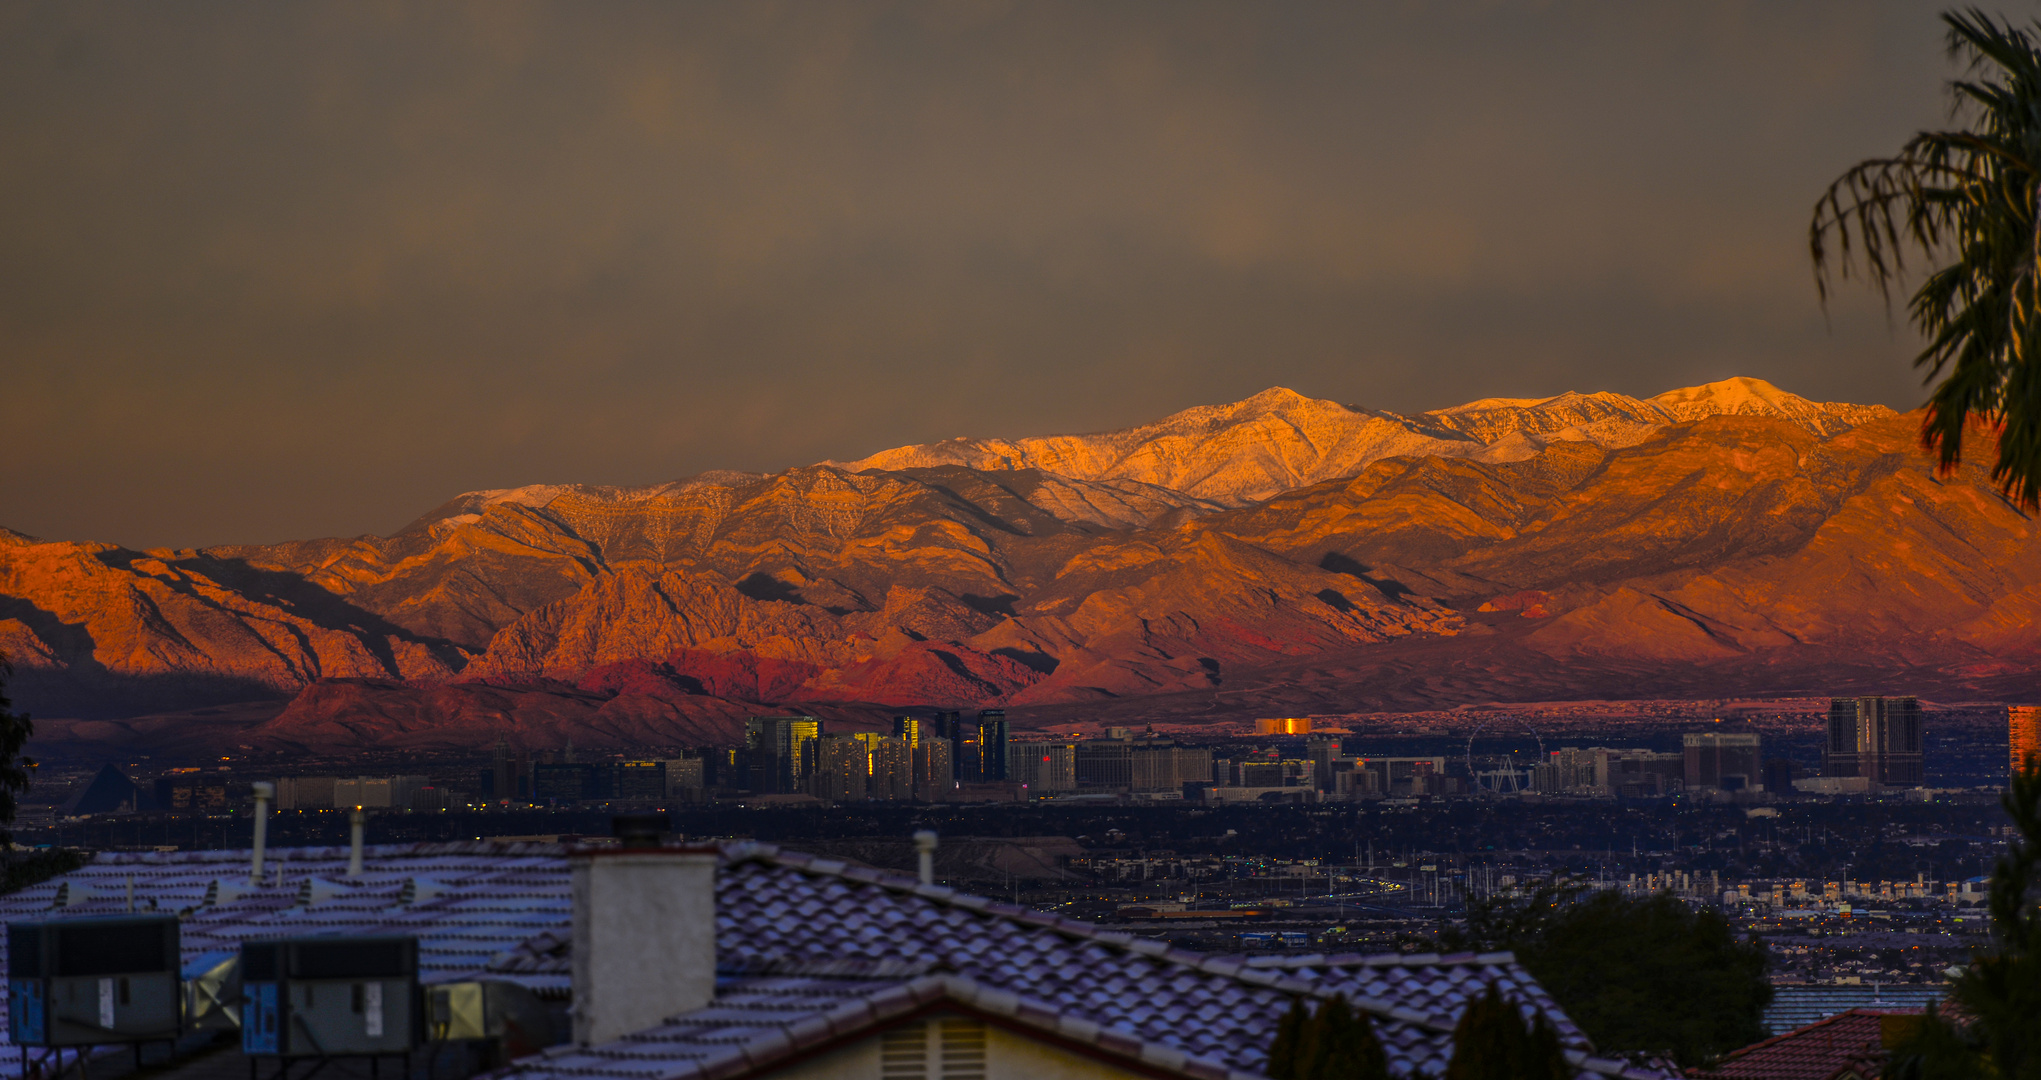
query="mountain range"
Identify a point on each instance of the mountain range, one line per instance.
(1279, 553)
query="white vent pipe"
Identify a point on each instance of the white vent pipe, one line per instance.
(354, 829)
(924, 842)
(264, 791)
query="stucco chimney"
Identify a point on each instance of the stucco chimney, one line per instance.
(644, 931)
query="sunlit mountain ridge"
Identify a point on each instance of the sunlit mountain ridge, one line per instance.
(1279, 439)
(1211, 562)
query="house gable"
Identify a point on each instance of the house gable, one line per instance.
(951, 1045)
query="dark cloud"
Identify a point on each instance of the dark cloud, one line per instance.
(270, 271)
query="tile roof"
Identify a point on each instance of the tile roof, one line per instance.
(466, 902)
(1440, 986)
(502, 911)
(778, 908)
(1798, 1006)
(1821, 1050)
(758, 1023)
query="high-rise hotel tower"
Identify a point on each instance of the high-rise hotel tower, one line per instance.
(2024, 722)
(1877, 738)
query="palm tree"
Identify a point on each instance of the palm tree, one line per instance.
(1968, 196)
(15, 729)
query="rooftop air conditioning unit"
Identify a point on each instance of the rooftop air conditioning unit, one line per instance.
(82, 982)
(511, 1018)
(330, 996)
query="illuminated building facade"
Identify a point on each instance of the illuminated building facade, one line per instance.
(686, 778)
(1877, 738)
(1724, 761)
(641, 781)
(913, 729)
(889, 766)
(843, 771)
(1043, 766)
(2024, 724)
(782, 751)
(935, 770)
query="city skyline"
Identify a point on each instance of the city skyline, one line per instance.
(982, 540)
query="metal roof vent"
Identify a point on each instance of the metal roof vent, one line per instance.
(418, 890)
(315, 890)
(225, 891)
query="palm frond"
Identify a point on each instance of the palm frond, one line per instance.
(1965, 198)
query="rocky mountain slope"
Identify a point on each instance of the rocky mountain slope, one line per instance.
(1279, 439)
(1613, 540)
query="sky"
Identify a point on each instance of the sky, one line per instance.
(276, 271)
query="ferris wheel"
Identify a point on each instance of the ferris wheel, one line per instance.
(1503, 776)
